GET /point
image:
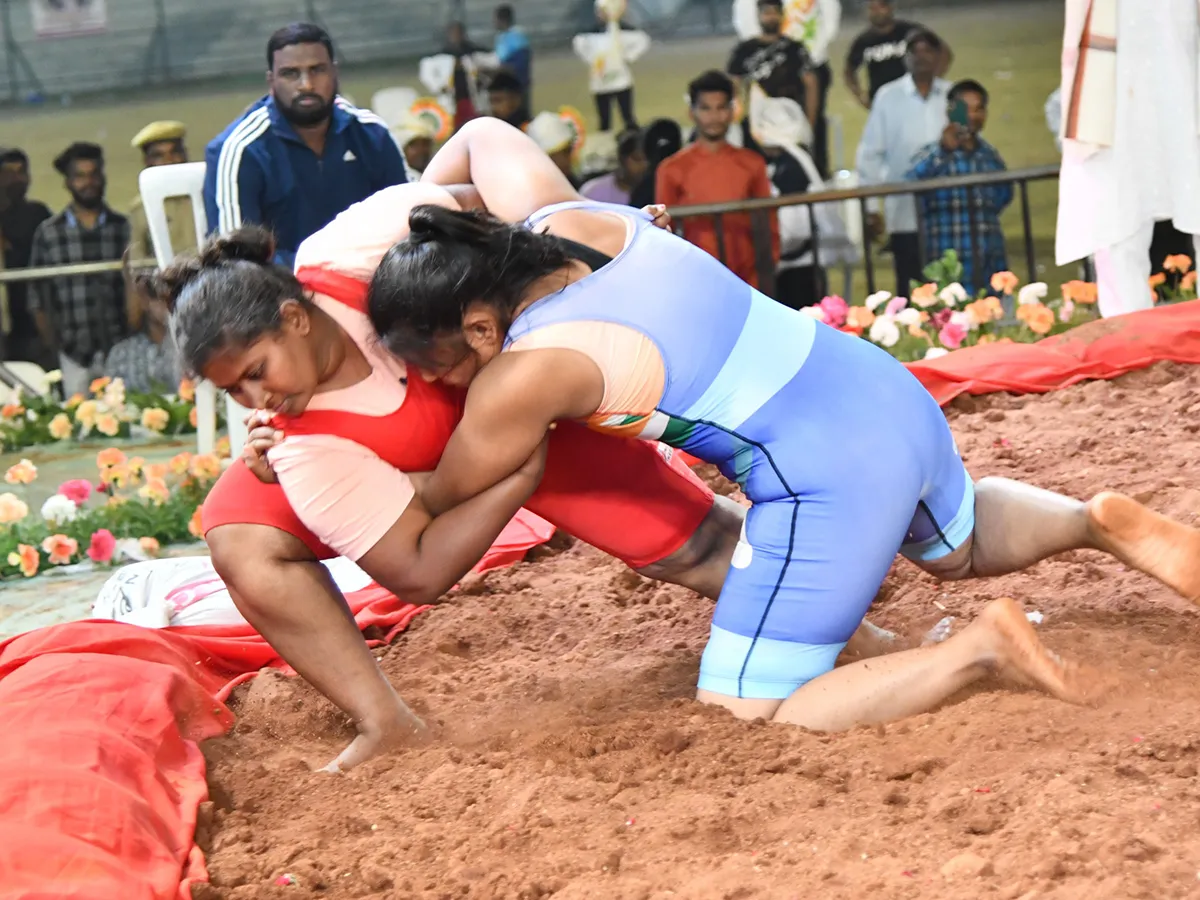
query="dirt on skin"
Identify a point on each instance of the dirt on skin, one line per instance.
(572, 761)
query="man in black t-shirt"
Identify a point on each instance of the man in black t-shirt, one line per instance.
(882, 49)
(777, 64)
(19, 219)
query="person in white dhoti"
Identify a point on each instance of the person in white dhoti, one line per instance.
(1131, 138)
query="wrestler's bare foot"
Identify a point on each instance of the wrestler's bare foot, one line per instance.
(1148, 541)
(1014, 649)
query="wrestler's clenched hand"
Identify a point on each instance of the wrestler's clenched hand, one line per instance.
(262, 437)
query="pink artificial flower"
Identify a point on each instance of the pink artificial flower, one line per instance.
(952, 335)
(895, 305)
(1066, 311)
(102, 546)
(836, 309)
(77, 490)
(941, 318)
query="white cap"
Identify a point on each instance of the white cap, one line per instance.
(550, 132)
(611, 10)
(409, 129)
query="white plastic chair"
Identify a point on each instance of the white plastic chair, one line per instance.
(187, 180)
(392, 104)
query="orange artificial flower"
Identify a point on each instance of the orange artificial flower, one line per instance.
(156, 470)
(110, 457)
(187, 390)
(26, 559)
(23, 472)
(917, 331)
(1079, 292)
(149, 545)
(1156, 279)
(1038, 317)
(155, 490)
(108, 425)
(195, 528)
(205, 466)
(118, 476)
(156, 419)
(1004, 282)
(99, 384)
(859, 317)
(1177, 262)
(60, 549)
(11, 410)
(924, 295)
(12, 509)
(179, 463)
(222, 448)
(61, 427)
(74, 401)
(193, 418)
(986, 339)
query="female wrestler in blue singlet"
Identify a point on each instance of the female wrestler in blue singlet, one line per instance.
(844, 455)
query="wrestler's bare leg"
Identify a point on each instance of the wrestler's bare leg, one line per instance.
(288, 596)
(1017, 525)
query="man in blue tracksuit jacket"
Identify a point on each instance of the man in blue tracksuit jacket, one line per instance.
(301, 154)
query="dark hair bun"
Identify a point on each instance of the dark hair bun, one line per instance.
(250, 244)
(430, 222)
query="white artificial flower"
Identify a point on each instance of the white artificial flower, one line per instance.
(54, 376)
(877, 299)
(935, 352)
(953, 294)
(958, 317)
(884, 331)
(30, 415)
(813, 312)
(59, 510)
(909, 317)
(1031, 293)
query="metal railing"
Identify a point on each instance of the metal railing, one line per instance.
(760, 209)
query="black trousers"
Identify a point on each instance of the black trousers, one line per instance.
(906, 256)
(800, 287)
(624, 102)
(820, 149)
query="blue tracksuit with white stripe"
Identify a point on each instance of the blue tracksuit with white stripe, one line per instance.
(260, 172)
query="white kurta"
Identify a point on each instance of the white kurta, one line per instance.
(1152, 170)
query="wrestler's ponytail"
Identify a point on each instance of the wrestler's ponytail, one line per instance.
(227, 294)
(452, 259)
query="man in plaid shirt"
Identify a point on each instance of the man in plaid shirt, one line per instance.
(80, 317)
(946, 214)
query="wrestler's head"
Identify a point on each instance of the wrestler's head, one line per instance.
(245, 323)
(443, 299)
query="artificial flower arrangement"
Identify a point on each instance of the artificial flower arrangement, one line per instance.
(109, 412)
(941, 316)
(128, 514)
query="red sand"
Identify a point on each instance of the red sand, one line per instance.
(572, 761)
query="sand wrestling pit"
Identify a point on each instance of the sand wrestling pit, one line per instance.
(571, 761)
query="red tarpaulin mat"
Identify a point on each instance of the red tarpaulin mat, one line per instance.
(100, 774)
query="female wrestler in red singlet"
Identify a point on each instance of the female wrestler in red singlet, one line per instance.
(355, 423)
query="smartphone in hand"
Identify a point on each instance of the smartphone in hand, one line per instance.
(958, 113)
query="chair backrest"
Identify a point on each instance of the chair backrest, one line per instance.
(156, 185)
(393, 104)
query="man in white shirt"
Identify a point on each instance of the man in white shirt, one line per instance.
(1131, 138)
(907, 114)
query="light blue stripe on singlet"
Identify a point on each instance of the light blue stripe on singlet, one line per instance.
(774, 343)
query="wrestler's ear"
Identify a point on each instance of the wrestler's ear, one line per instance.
(294, 318)
(480, 327)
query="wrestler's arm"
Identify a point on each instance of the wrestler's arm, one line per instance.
(510, 406)
(514, 177)
(348, 497)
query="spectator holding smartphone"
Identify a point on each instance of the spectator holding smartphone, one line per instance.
(946, 214)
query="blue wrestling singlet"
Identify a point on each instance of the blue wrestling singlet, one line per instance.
(845, 456)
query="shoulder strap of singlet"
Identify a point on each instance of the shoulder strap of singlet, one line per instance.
(337, 286)
(589, 256)
(589, 205)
